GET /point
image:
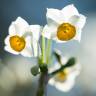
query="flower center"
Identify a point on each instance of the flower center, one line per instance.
(61, 76)
(17, 43)
(66, 32)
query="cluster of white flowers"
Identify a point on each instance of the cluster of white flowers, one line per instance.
(64, 80)
(62, 25)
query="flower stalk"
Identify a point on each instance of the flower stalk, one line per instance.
(43, 80)
(48, 50)
(43, 49)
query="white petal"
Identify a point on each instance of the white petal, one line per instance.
(35, 48)
(19, 26)
(51, 22)
(63, 60)
(9, 49)
(28, 51)
(74, 19)
(6, 41)
(49, 31)
(81, 22)
(75, 70)
(66, 85)
(53, 15)
(51, 81)
(78, 35)
(36, 31)
(12, 29)
(74, 73)
(69, 10)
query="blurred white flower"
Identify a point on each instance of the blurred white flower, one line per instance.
(23, 38)
(64, 25)
(64, 80)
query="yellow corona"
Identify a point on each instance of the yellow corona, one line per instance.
(17, 43)
(66, 32)
(61, 76)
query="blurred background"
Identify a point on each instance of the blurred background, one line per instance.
(15, 76)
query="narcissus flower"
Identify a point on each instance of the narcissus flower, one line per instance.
(64, 80)
(23, 38)
(64, 25)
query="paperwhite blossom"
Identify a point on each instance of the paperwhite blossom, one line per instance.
(23, 38)
(64, 25)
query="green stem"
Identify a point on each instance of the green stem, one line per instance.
(43, 49)
(48, 50)
(43, 67)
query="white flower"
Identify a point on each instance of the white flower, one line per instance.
(64, 25)
(64, 81)
(23, 38)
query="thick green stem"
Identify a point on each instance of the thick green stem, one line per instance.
(43, 83)
(43, 67)
(43, 80)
